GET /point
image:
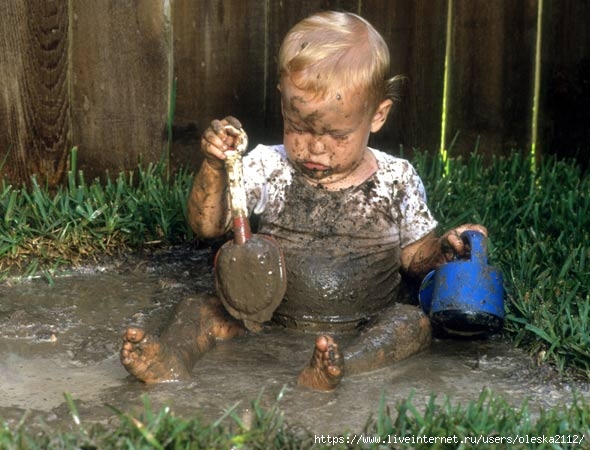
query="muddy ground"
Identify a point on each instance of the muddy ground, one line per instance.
(64, 338)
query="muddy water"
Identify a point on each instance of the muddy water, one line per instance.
(65, 338)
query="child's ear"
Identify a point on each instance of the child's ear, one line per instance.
(380, 115)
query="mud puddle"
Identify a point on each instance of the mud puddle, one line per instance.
(65, 337)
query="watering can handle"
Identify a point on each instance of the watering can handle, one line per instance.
(478, 245)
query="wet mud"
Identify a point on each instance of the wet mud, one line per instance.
(65, 338)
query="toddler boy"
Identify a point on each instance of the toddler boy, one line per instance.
(349, 219)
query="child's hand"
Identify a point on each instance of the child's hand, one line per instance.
(217, 139)
(452, 244)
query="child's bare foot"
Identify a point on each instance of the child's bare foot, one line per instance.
(147, 359)
(196, 325)
(326, 367)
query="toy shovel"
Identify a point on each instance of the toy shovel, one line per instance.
(250, 271)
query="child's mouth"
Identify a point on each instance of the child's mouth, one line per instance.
(315, 171)
(315, 166)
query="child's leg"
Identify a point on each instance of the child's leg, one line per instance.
(195, 326)
(399, 332)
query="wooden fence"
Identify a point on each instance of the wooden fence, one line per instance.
(99, 75)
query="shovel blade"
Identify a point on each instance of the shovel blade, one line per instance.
(250, 278)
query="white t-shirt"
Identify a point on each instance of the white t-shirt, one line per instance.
(342, 248)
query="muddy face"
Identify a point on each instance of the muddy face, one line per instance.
(326, 136)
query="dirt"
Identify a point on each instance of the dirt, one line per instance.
(64, 338)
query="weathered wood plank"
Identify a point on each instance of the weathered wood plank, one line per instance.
(98, 76)
(121, 56)
(34, 124)
(220, 62)
(565, 102)
(491, 76)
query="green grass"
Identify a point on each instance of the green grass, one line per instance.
(489, 419)
(539, 228)
(80, 221)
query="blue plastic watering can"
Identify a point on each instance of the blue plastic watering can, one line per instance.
(465, 297)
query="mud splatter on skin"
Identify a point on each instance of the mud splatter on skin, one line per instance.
(312, 123)
(326, 135)
(310, 120)
(314, 120)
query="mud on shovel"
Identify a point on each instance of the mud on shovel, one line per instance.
(250, 271)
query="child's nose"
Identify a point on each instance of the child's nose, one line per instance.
(316, 145)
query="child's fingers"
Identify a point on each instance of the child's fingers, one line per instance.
(455, 242)
(453, 237)
(231, 120)
(212, 152)
(472, 226)
(219, 137)
(217, 126)
(227, 130)
(212, 148)
(214, 143)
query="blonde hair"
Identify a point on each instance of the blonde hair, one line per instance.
(331, 49)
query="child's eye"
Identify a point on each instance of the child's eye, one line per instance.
(296, 130)
(339, 136)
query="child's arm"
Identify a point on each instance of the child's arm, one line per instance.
(208, 211)
(426, 254)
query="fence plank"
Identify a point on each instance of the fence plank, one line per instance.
(120, 83)
(491, 75)
(565, 105)
(107, 88)
(220, 63)
(34, 123)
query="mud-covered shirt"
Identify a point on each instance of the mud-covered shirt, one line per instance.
(342, 248)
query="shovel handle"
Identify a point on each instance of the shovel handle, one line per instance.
(235, 181)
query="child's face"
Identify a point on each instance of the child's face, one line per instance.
(326, 137)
